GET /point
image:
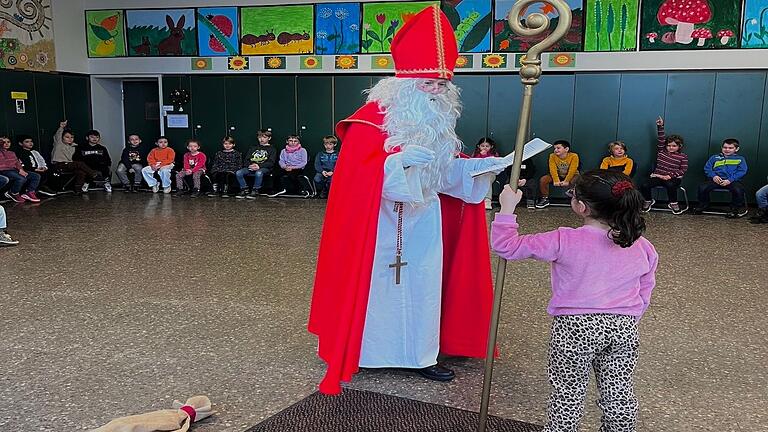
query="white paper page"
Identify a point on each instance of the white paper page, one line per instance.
(531, 149)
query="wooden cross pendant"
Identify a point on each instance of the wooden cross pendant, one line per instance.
(399, 263)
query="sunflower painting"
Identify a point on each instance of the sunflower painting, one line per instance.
(381, 21)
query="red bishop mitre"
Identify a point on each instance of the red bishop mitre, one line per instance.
(425, 47)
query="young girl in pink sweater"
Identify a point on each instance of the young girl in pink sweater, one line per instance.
(602, 277)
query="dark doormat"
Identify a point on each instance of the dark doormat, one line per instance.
(363, 411)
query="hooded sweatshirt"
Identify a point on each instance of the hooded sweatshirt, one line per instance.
(293, 157)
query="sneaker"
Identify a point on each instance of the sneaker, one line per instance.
(306, 194)
(108, 187)
(242, 195)
(488, 204)
(14, 197)
(759, 214)
(46, 192)
(675, 207)
(179, 192)
(195, 193)
(277, 193)
(212, 194)
(167, 190)
(762, 219)
(225, 192)
(31, 197)
(156, 188)
(543, 202)
(84, 189)
(254, 193)
(647, 205)
(6, 239)
(127, 188)
(135, 188)
(531, 204)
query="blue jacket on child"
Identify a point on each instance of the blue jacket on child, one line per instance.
(731, 168)
(326, 161)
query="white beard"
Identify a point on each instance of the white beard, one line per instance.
(414, 117)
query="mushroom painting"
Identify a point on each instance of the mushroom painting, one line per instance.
(702, 34)
(724, 36)
(691, 24)
(684, 14)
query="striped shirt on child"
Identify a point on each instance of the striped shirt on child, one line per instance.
(672, 164)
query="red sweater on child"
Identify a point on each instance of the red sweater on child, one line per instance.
(194, 162)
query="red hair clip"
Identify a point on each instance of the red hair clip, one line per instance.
(620, 188)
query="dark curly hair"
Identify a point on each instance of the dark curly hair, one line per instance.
(613, 199)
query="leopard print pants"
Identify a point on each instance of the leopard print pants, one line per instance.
(606, 343)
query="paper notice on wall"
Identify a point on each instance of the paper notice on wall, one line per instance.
(531, 149)
(180, 121)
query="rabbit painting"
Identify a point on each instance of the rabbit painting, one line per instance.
(172, 44)
(144, 48)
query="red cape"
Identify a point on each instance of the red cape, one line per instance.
(347, 245)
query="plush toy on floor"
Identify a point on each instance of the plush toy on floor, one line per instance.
(178, 419)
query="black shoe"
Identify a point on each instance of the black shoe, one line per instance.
(195, 193)
(126, 188)
(759, 220)
(543, 203)
(213, 194)
(225, 191)
(698, 210)
(45, 191)
(254, 193)
(243, 194)
(437, 373)
(180, 192)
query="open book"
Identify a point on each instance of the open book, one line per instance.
(531, 149)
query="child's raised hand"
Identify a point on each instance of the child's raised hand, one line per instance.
(509, 199)
(63, 124)
(659, 121)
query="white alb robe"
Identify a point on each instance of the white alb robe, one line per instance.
(402, 323)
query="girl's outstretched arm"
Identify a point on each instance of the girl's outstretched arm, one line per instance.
(510, 245)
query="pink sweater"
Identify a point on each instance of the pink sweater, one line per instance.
(590, 273)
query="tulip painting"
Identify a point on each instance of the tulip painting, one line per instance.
(381, 21)
(337, 28)
(755, 26)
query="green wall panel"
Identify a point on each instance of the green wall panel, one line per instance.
(77, 104)
(348, 95)
(473, 123)
(50, 110)
(208, 117)
(20, 123)
(243, 109)
(278, 107)
(595, 116)
(762, 151)
(140, 110)
(689, 113)
(552, 117)
(505, 97)
(641, 101)
(737, 113)
(314, 110)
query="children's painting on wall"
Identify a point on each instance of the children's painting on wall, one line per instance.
(337, 28)
(471, 21)
(690, 24)
(26, 35)
(105, 33)
(277, 30)
(381, 21)
(161, 32)
(755, 30)
(217, 31)
(611, 25)
(505, 40)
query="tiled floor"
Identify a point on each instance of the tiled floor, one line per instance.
(114, 305)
